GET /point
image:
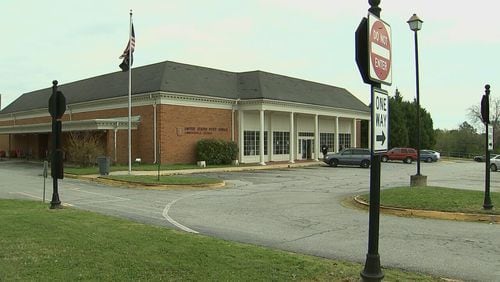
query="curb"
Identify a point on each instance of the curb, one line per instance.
(433, 214)
(114, 182)
(224, 169)
(205, 170)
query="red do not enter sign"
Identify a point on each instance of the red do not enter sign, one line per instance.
(380, 52)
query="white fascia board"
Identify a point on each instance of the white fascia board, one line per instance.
(299, 108)
(76, 125)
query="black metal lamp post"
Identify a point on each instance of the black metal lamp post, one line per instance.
(485, 115)
(372, 270)
(415, 24)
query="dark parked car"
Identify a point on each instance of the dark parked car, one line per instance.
(350, 156)
(407, 155)
(428, 156)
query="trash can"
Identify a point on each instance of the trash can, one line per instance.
(103, 162)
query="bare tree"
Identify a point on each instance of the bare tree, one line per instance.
(84, 146)
(474, 114)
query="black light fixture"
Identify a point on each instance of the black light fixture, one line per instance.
(415, 23)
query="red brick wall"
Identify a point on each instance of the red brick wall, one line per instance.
(142, 146)
(178, 130)
(27, 121)
(4, 142)
(181, 127)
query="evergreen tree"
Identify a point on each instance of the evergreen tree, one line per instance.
(398, 132)
(403, 124)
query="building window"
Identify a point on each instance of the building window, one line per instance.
(281, 142)
(327, 139)
(251, 143)
(265, 142)
(344, 140)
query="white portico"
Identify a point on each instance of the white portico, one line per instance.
(281, 131)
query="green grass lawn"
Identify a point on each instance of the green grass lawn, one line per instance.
(437, 198)
(38, 244)
(164, 180)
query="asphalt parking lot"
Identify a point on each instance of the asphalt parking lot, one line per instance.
(300, 210)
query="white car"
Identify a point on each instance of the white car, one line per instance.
(495, 163)
(437, 154)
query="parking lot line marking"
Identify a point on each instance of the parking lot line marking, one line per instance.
(27, 195)
(38, 198)
(102, 201)
(100, 194)
(171, 220)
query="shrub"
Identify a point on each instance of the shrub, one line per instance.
(84, 147)
(215, 152)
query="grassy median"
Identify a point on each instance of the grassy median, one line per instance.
(38, 244)
(135, 167)
(164, 180)
(437, 199)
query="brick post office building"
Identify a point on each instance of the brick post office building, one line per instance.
(271, 117)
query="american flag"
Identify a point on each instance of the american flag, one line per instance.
(127, 62)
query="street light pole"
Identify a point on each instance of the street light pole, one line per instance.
(418, 101)
(485, 113)
(415, 25)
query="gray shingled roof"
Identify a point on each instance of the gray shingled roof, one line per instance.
(190, 79)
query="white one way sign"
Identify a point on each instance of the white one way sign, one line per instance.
(380, 120)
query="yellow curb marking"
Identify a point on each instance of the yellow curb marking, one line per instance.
(434, 214)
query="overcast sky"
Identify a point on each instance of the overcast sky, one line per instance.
(313, 40)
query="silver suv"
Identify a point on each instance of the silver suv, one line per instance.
(350, 156)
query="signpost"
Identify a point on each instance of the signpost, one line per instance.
(57, 107)
(44, 174)
(374, 60)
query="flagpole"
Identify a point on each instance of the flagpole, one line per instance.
(130, 96)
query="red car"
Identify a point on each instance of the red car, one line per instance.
(407, 155)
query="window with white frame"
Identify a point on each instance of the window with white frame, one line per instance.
(344, 140)
(327, 139)
(281, 142)
(251, 143)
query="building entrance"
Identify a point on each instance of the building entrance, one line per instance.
(306, 148)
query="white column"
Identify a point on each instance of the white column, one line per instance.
(336, 134)
(291, 148)
(316, 138)
(270, 137)
(354, 135)
(261, 149)
(241, 141)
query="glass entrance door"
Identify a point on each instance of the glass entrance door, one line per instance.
(305, 148)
